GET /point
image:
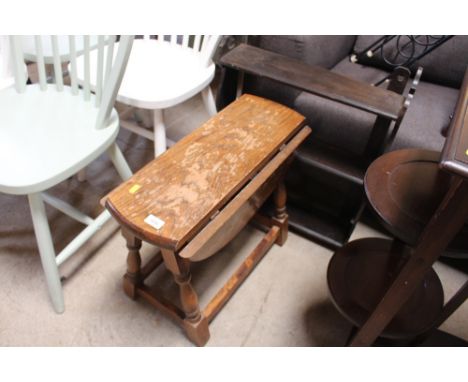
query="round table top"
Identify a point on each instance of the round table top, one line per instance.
(405, 188)
(359, 274)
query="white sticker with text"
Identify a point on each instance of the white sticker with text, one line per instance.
(154, 221)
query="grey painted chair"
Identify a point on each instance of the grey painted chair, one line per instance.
(50, 132)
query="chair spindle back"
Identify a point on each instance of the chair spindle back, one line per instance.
(204, 45)
(110, 69)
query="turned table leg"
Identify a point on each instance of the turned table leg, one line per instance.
(281, 217)
(132, 278)
(195, 323)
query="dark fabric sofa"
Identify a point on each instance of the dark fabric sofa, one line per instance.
(347, 128)
(428, 113)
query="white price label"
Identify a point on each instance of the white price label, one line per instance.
(154, 221)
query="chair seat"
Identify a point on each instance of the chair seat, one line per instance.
(158, 75)
(58, 135)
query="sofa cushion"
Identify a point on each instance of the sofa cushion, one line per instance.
(270, 89)
(445, 65)
(349, 128)
(325, 51)
(336, 124)
(427, 117)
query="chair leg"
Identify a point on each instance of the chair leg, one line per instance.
(119, 162)
(159, 132)
(46, 251)
(209, 101)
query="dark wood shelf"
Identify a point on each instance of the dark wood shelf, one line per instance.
(314, 79)
(334, 161)
(319, 226)
(359, 275)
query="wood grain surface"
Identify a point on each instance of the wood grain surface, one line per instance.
(190, 182)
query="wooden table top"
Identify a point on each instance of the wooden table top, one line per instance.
(189, 183)
(315, 79)
(405, 188)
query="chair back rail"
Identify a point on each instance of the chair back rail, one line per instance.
(57, 64)
(210, 43)
(109, 58)
(17, 55)
(100, 70)
(115, 79)
(73, 70)
(40, 63)
(110, 69)
(204, 45)
(87, 74)
(197, 42)
(185, 40)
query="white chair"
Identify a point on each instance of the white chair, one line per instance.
(29, 48)
(48, 132)
(165, 72)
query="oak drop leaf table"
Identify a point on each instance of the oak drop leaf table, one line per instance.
(196, 197)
